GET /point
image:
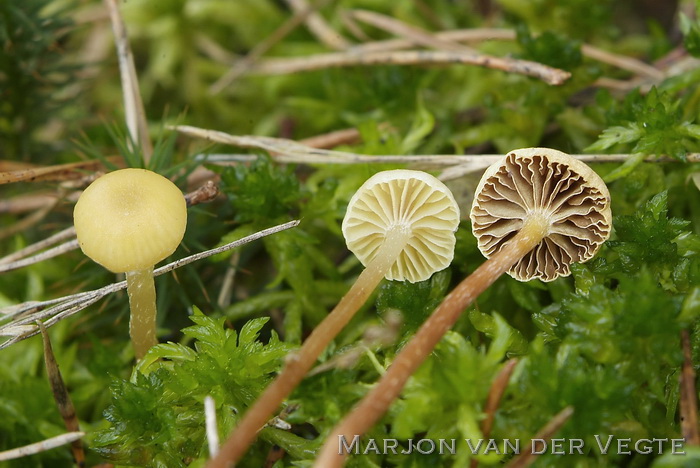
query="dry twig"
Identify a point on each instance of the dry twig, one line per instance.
(318, 26)
(243, 65)
(22, 317)
(526, 457)
(414, 34)
(623, 62)
(60, 394)
(133, 103)
(498, 388)
(42, 446)
(689, 399)
(351, 58)
(289, 151)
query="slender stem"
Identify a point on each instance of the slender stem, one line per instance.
(377, 401)
(299, 363)
(142, 299)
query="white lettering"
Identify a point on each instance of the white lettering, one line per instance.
(409, 450)
(450, 448)
(513, 448)
(390, 444)
(342, 445)
(534, 446)
(643, 446)
(558, 446)
(421, 450)
(677, 444)
(492, 446)
(623, 446)
(476, 449)
(603, 451)
(576, 444)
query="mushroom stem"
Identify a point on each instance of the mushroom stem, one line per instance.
(142, 300)
(300, 362)
(377, 401)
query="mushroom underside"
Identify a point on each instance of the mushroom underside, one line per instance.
(535, 185)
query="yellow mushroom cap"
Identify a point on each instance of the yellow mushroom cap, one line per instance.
(409, 200)
(549, 183)
(130, 219)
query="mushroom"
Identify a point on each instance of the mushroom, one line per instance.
(127, 221)
(535, 211)
(401, 225)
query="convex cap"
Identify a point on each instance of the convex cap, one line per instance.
(130, 219)
(546, 182)
(412, 201)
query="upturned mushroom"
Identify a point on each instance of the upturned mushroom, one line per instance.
(401, 226)
(127, 221)
(534, 213)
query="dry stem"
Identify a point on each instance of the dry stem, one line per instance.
(526, 457)
(133, 104)
(290, 151)
(42, 446)
(318, 26)
(243, 65)
(21, 317)
(549, 75)
(62, 397)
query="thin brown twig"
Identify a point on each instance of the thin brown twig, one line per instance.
(498, 388)
(688, 398)
(350, 58)
(59, 172)
(243, 65)
(414, 34)
(526, 457)
(204, 194)
(345, 136)
(62, 397)
(319, 27)
(133, 103)
(623, 62)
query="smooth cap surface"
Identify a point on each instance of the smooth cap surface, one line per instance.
(413, 201)
(130, 219)
(547, 182)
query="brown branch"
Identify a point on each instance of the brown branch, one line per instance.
(60, 172)
(498, 388)
(526, 457)
(318, 26)
(243, 65)
(414, 34)
(623, 62)
(133, 103)
(61, 396)
(689, 399)
(549, 75)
